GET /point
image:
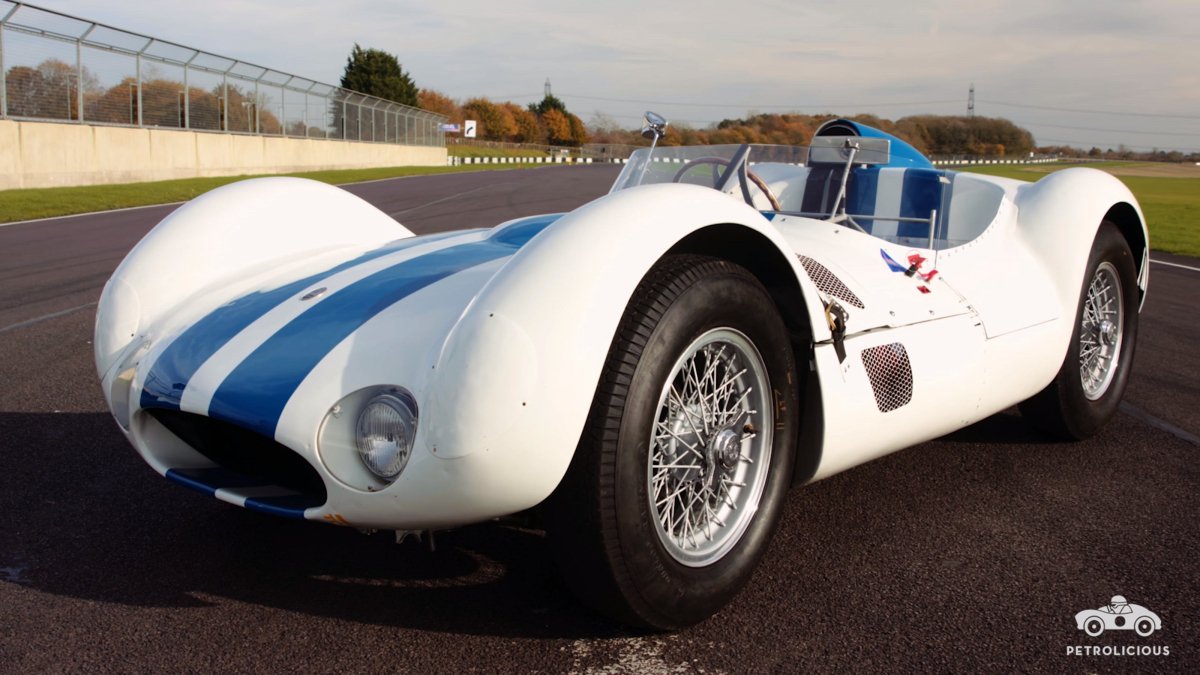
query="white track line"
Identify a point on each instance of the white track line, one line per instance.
(1171, 264)
(1139, 414)
(89, 213)
(150, 206)
(45, 317)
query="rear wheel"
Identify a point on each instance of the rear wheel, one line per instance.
(1089, 386)
(679, 478)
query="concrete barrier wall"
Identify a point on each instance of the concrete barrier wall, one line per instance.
(45, 154)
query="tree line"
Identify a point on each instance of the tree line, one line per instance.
(930, 134)
(53, 89)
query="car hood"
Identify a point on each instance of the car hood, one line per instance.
(243, 361)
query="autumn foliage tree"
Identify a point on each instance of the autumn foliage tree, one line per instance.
(437, 102)
(558, 127)
(529, 127)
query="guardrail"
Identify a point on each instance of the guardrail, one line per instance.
(62, 68)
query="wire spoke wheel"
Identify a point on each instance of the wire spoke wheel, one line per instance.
(681, 473)
(710, 447)
(1100, 331)
(1094, 374)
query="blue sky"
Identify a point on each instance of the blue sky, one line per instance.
(1062, 68)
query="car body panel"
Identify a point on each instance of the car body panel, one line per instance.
(275, 323)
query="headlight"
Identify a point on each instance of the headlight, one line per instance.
(384, 434)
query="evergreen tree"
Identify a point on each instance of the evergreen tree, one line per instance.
(550, 102)
(378, 73)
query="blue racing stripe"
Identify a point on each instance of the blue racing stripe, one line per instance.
(181, 359)
(288, 506)
(519, 233)
(254, 394)
(922, 193)
(861, 194)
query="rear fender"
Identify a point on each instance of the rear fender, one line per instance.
(1059, 217)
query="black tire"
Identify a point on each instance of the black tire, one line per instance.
(1144, 626)
(1063, 409)
(601, 521)
(1093, 627)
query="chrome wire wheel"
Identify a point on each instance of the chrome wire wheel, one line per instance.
(1101, 331)
(710, 447)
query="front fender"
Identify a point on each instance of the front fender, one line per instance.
(204, 252)
(518, 373)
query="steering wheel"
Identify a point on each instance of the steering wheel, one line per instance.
(719, 162)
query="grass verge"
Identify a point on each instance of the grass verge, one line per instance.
(482, 151)
(1171, 205)
(29, 204)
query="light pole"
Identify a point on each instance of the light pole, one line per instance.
(248, 106)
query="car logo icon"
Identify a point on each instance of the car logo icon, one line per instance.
(1118, 614)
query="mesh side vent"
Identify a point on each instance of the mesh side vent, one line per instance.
(890, 373)
(828, 283)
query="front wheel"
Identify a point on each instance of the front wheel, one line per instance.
(1089, 386)
(679, 478)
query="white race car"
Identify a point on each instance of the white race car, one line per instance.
(653, 370)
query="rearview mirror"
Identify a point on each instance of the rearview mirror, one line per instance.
(654, 126)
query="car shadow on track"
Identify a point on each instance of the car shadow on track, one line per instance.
(1007, 428)
(87, 519)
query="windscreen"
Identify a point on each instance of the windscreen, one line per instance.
(699, 164)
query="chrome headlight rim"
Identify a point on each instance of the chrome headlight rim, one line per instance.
(385, 432)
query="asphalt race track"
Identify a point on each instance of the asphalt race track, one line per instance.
(972, 552)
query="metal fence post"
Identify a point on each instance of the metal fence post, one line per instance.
(139, 81)
(187, 93)
(79, 75)
(4, 73)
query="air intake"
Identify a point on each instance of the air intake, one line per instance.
(890, 373)
(828, 283)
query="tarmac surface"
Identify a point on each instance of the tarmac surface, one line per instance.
(971, 552)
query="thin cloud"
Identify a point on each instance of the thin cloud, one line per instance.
(1097, 54)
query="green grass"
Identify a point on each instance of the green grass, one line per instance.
(478, 151)
(50, 202)
(1171, 205)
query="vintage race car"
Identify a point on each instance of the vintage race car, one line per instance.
(653, 370)
(1119, 614)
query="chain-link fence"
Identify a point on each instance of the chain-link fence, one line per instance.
(62, 68)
